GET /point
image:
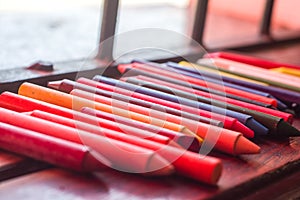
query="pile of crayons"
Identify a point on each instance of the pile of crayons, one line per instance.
(157, 119)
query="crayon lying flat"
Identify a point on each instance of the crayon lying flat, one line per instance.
(255, 73)
(286, 116)
(280, 93)
(192, 78)
(257, 87)
(68, 85)
(203, 130)
(76, 103)
(245, 119)
(229, 123)
(93, 125)
(17, 100)
(273, 123)
(127, 157)
(186, 141)
(138, 159)
(60, 152)
(268, 64)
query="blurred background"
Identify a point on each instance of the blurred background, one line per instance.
(61, 30)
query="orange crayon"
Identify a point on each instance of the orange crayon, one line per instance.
(76, 103)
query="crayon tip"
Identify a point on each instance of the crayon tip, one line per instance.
(245, 146)
(54, 84)
(187, 131)
(122, 68)
(285, 129)
(159, 167)
(258, 128)
(239, 127)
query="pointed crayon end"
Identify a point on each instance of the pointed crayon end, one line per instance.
(54, 84)
(245, 146)
(122, 68)
(285, 129)
(239, 127)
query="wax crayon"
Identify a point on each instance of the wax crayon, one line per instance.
(215, 74)
(257, 87)
(122, 155)
(286, 116)
(285, 70)
(76, 103)
(203, 130)
(68, 85)
(251, 60)
(195, 79)
(178, 158)
(187, 141)
(245, 119)
(49, 149)
(280, 93)
(229, 123)
(14, 102)
(273, 123)
(256, 73)
(96, 128)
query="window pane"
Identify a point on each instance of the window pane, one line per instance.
(152, 25)
(50, 30)
(233, 22)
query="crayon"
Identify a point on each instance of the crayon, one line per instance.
(273, 123)
(192, 78)
(127, 156)
(211, 73)
(14, 102)
(245, 119)
(229, 122)
(96, 128)
(247, 84)
(178, 158)
(58, 152)
(286, 116)
(186, 141)
(280, 93)
(203, 130)
(256, 73)
(285, 70)
(76, 103)
(66, 85)
(268, 64)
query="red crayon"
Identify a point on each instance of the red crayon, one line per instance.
(13, 101)
(137, 158)
(250, 60)
(96, 129)
(286, 116)
(122, 68)
(170, 154)
(229, 123)
(121, 154)
(50, 149)
(21, 103)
